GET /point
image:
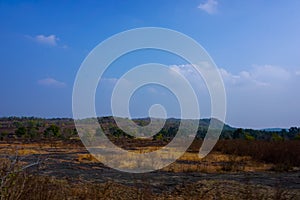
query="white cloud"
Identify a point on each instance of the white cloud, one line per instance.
(47, 40)
(266, 75)
(257, 76)
(241, 79)
(210, 6)
(50, 82)
(261, 96)
(186, 70)
(271, 72)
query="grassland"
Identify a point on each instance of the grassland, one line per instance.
(65, 170)
(45, 159)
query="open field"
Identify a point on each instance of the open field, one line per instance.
(68, 166)
(160, 99)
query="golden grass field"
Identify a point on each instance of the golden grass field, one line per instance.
(76, 174)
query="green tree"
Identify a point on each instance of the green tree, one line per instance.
(238, 133)
(17, 124)
(21, 131)
(68, 133)
(158, 136)
(3, 135)
(249, 137)
(32, 132)
(276, 137)
(297, 137)
(52, 131)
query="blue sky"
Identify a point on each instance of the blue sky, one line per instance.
(255, 44)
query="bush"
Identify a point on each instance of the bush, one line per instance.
(285, 153)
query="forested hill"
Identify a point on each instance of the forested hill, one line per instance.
(31, 127)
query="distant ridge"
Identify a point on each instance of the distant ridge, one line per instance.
(274, 129)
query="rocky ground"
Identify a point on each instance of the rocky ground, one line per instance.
(67, 164)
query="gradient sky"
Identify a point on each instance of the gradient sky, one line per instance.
(256, 45)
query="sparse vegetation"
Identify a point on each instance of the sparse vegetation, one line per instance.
(239, 152)
(286, 153)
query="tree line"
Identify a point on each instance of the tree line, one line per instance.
(30, 127)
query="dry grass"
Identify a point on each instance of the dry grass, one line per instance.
(233, 155)
(284, 155)
(216, 162)
(189, 162)
(86, 158)
(28, 187)
(229, 190)
(21, 185)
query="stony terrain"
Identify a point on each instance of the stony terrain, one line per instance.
(74, 164)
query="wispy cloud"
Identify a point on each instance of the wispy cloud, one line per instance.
(210, 6)
(255, 78)
(50, 40)
(265, 75)
(191, 74)
(51, 82)
(262, 95)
